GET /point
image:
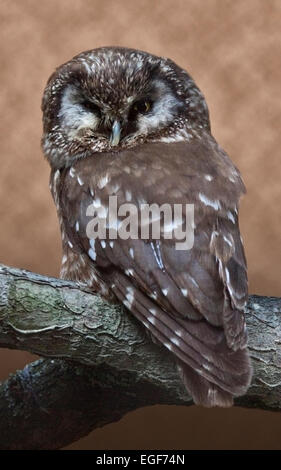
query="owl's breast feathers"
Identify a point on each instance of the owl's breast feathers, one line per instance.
(190, 300)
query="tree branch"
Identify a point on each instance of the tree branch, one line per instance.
(53, 402)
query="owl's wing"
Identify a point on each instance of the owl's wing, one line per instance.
(190, 300)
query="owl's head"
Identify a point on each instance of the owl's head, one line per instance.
(114, 98)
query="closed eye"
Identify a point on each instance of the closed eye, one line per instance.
(92, 107)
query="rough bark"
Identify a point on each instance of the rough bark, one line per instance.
(101, 364)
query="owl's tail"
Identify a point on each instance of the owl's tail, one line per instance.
(212, 372)
(224, 373)
(221, 375)
(206, 393)
(203, 392)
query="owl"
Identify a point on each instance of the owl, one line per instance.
(122, 123)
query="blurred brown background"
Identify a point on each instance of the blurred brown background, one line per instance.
(232, 49)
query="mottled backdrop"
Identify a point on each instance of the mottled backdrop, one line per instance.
(232, 49)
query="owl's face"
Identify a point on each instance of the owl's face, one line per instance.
(114, 98)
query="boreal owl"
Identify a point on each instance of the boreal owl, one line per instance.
(123, 123)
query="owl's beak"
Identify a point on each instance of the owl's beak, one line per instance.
(115, 133)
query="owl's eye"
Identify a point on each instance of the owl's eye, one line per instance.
(94, 108)
(142, 106)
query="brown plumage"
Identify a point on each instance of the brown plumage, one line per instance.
(190, 300)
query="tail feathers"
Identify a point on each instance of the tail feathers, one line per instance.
(203, 392)
(235, 328)
(206, 392)
(213, 373)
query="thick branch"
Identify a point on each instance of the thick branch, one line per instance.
(53, 402)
